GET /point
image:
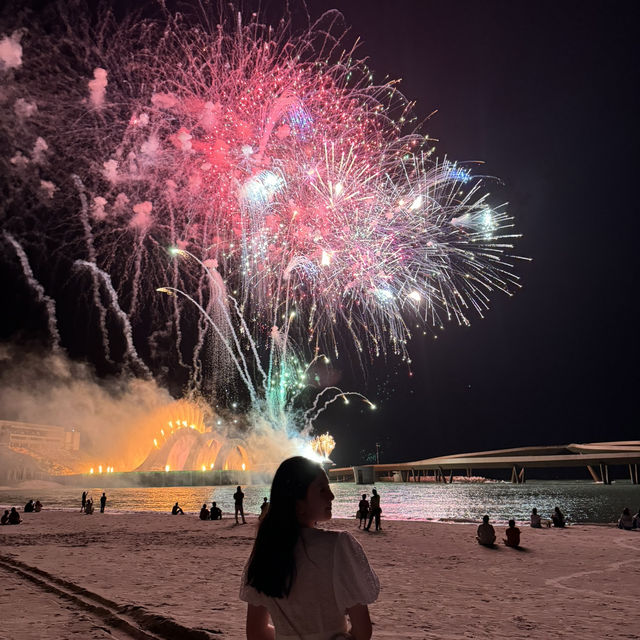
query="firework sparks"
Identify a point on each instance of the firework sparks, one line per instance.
(274, 162)
(323, 445)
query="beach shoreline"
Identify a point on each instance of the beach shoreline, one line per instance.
(437, 582)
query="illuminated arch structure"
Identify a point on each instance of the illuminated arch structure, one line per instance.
(189, 449)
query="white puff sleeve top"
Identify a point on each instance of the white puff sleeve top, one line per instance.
(332, 575)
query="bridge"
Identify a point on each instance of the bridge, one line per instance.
(595, 457)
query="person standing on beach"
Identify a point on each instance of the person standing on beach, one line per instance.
(264, 507)
(311, 583)
(103, 501)
(84, 500)
(374, 511)
(363, 511)
(238, 497)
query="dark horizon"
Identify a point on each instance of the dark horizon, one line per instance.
(545, 97)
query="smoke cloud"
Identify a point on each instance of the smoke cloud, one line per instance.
(51, 389)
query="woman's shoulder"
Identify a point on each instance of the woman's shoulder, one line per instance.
(324, 535)
(329, 538)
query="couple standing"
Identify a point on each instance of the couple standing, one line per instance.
(372, 510)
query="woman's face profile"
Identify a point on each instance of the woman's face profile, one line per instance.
(316, 507)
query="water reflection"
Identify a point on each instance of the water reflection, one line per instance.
(580, 501)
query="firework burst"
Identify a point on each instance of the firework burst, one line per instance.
(269, 156)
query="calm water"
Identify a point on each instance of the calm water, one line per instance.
(580, 501)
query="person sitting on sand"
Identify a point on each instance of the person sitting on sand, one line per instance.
(363, 510)
(28, 508)
(216, 512)
(38, 506)
(308, 580)
(536, 520)
(5, 517)
(204, 512)
(264, 507)
(176, 510)
(626, 520)
(88, 508)
(486, 534)
(14, 516)
(557, 518)
(513, 535)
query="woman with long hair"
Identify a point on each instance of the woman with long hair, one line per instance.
(313, 584)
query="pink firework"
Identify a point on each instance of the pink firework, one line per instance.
(274, 159)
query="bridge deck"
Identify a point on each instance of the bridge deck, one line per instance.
(573, 455)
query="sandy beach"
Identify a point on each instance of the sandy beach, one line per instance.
(116, 575)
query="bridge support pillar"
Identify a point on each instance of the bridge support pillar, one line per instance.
(521, 477)
(633, 473)
(604, 473)
(364, 475)
(594, 474)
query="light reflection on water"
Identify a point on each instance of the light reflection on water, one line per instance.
(580, 501)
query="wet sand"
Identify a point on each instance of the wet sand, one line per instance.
(68, 575)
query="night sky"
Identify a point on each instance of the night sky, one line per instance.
(545, 95)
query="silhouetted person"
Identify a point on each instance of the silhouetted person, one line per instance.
(513, 535)
(557, 518)
(536, 520)
(204, 512)
(626, 520)
(238, 497)
(486, 534)
(264, 507)
(84, 500)
(28, 508)
(88, 507)
(363, 511)
(176, 511)
(216, 512)
(38, 506)
(636, 520)
(374, 511)
(103, 502)
(5, 517)
(14, 516)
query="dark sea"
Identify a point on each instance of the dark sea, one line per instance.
(581, 501)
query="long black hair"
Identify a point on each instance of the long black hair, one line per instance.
(272, 565)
